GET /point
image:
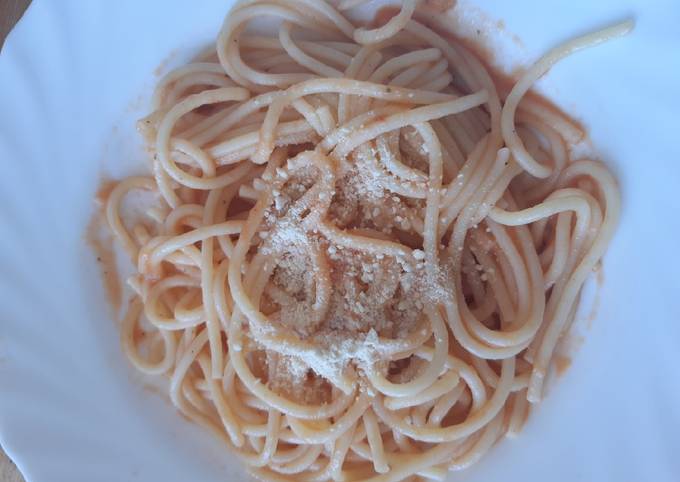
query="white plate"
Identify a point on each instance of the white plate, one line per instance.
(74, 75)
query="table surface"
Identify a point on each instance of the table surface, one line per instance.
(10, 12)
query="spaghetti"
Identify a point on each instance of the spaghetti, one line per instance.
(362, 255)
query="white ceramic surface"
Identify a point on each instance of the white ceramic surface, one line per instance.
(74, 75)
